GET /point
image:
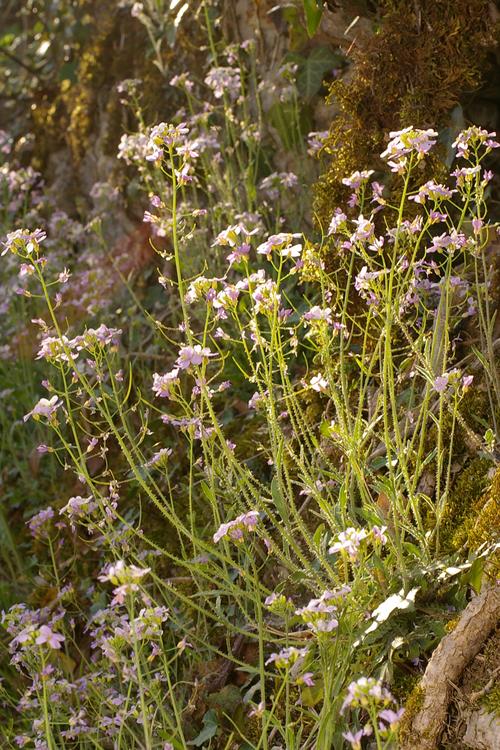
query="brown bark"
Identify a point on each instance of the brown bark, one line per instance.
(447, 663)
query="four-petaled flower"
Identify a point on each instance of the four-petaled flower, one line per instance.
(48, 636)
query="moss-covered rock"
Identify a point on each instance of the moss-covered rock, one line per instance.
(484, 522)
(459, 512)
(412, 71)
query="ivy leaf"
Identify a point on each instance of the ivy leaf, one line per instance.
(210, 726)
(313, 10)
(226, 700)
(312, 71)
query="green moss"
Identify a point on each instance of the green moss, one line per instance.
(403, 685)
(459, 511)
(484, 523)
(70, 113)
(472, 513)
(413, 705)
(491, 700)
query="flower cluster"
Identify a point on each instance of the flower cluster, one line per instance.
(164, 137)
(287, 657)
(473, 138)
(370, 695)
(405, 142)
(39, 523)
(320, 614)
(224, 80)
(63, 349)
(124, 577)
(250, 308)
(78, 508)
(235, 530)
(24, 241)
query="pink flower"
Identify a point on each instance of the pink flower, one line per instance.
(377, 190)
(432, 190)
(319, 614)
(21, 740)
(164, 135)
(224, 80)
(392, 718)
(239, 253)
(233, 235)
(160, 457)
(404, 142)
(474, 136)
(192, 355)
(441, 383)
(379, 534)
(317, 313)
(24, 240)
(39, 522)
(281, 241)
(467, 381)
(46, 407)
(315, 141)
(477, 225)
(357, 178)
(234, 529)
(287, 656)
(306, 679)
(338, 219)
(162, 384)
(46, 635)
(258, 710)
(354, 739)
(183, 645)
(364, 229)
(349, 541)
(256, 400)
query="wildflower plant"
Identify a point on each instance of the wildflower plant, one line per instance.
(269, 527)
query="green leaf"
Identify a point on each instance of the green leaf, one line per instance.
(207, 492)
(226, 700)
(318, 535)
(314, 11)
(475, 574)
(311, 696)
(278, 499)
(312, 71)
(210, 726)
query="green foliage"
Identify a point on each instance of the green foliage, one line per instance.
(258, 477)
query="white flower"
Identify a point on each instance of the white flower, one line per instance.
(319, 384)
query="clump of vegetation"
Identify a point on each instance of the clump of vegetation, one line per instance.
(232, 515)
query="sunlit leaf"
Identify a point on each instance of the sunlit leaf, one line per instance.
(313, 10)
